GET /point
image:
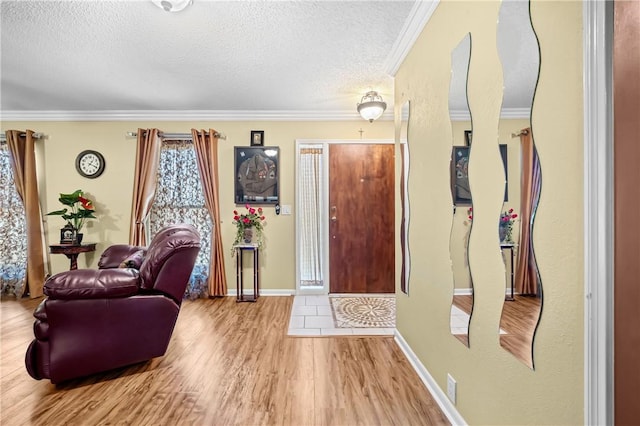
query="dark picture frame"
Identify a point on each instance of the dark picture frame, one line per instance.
(257, 138)
(68, 235)
(257, 172)
(503, 154)
(467, 137)
(460, 190)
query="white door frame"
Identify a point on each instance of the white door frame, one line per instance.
(598, 213)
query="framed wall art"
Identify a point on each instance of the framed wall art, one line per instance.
(503, 154)
(257, 137)
(257, 175)
(460, 176)
(467, 137)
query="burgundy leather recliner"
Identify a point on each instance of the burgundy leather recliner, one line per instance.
(97, 320)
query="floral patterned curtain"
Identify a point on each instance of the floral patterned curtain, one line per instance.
(179, 199)
(13, 231)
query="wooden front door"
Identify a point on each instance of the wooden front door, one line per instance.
(361, 218)
(626, 98)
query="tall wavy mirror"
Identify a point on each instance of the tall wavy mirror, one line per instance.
(404, 196)
(519, 53)
(462, 303)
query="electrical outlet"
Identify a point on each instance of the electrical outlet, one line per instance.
(451, 388)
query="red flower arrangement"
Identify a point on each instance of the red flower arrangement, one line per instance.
(252, 219)
(505, 225)
(507, 219)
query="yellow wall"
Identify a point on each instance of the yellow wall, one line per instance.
(112, 191)
(494, 387)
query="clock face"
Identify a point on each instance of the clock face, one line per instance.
(90, 164)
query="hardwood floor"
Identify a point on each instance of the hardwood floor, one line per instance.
(227, 364)
(519, 319)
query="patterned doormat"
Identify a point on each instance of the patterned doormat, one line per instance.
(364, 311)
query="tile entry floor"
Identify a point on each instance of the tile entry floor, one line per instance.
(312, 316)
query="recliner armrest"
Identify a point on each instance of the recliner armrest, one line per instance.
(115, 254)
(93, 284)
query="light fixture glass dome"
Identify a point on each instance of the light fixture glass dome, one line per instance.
(371, 106)
(172, 5)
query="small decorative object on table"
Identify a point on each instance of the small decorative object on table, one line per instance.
(505, 226)
(249, 226)
(79, 210)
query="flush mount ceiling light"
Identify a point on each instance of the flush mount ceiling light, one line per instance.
(371, 106)
(172, 5)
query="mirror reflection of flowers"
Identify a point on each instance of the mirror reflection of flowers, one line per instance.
(79, 209)
(247, 224)
(507, 219)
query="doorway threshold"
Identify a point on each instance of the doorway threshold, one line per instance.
(321, 316)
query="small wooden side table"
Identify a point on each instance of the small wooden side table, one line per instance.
(511, 247)
(240, 249)
(72, 251)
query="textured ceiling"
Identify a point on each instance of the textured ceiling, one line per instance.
(247, 59)
(215, 55)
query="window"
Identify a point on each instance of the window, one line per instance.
(13, 234)
(179, 199)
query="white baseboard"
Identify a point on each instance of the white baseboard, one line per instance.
(263, 292)
(469, 292)
(438, 394)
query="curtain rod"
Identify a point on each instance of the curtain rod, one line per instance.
(521, 132)
(178, 135)
(3, 136)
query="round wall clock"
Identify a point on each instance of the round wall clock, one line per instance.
(90, 164)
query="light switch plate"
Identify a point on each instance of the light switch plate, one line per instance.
(286, 209)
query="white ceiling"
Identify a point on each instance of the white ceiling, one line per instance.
(251, 59)
(237, 56)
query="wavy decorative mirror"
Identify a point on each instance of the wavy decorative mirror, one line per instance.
(519, 53)
(404, 197)
(462, 303)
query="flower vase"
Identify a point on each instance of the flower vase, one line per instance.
(248, 235)
(78, 238)
(502, 232)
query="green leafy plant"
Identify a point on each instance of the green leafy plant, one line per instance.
(251, 219)
(78, 209)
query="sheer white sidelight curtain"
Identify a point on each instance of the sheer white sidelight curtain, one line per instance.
(310, 191)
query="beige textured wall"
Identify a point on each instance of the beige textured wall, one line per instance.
(113, 190)
(494, 387)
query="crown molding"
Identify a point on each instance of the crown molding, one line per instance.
(505, 113)
(193, 115)
(413, 26)
(189, 115)
(514, 113)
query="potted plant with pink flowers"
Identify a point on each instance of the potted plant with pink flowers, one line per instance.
(505, 227)
(249, 226)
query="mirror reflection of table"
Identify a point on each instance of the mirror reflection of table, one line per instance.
(72, 251)
(511, 247)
